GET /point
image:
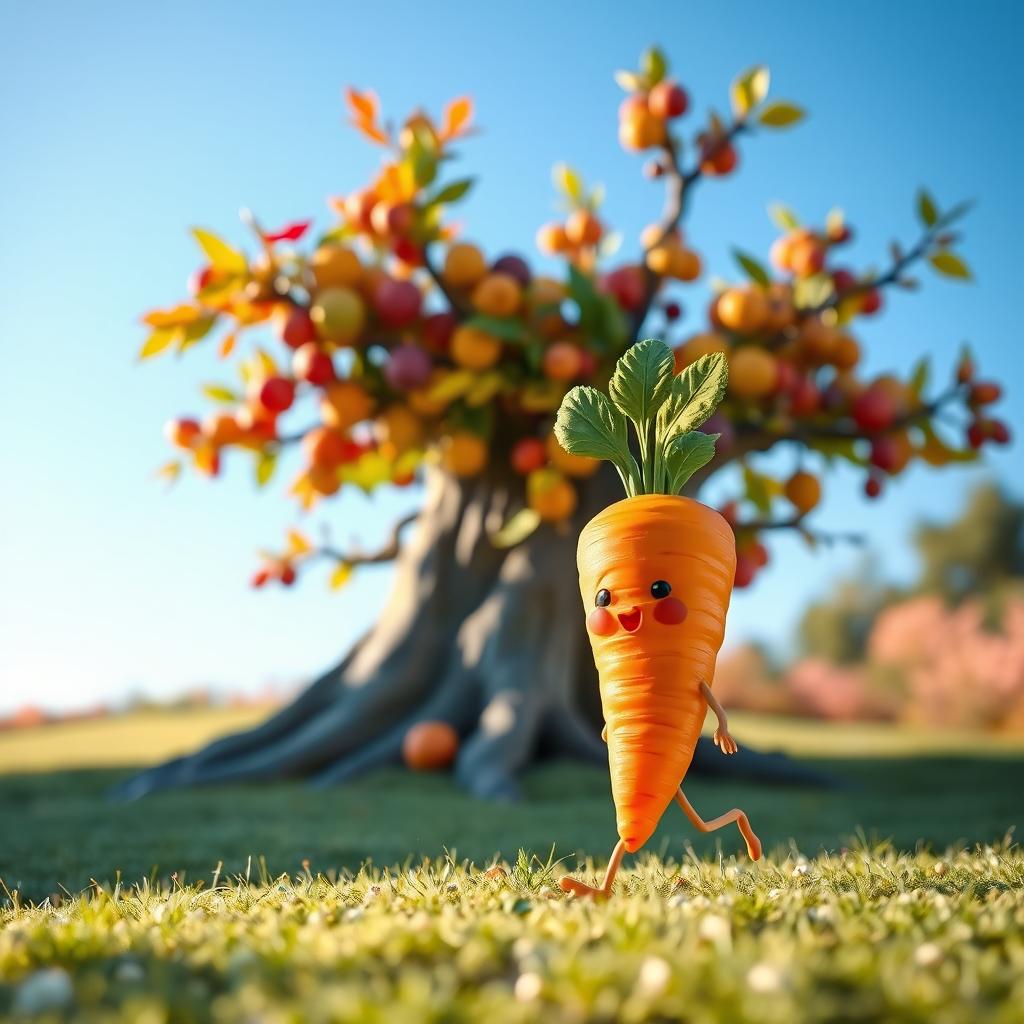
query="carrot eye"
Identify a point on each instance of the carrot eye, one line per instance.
(660, 589)
(603, 599)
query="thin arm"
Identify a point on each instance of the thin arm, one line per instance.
(723, 740)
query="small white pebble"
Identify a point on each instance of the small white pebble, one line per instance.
(523, 947)
(774, 894)
(654, 977)
(353, 914)
(527, 987)
(43, 991)
(941, 868)
(315, 919)
(763, 978)
(928, 954)
(714, 929)
(800, 870)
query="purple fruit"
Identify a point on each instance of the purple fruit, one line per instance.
(514, 266)
(408, 368)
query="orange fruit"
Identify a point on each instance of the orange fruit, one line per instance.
(641, 129)
(498, 295)
(345, 404)
(400, 426)
(753, 373)
(464, 265)
(335, 266)
(744, 310)
(463, 453)
(182, 433)
(552, 239)
(684, 264)
(545, 291)
(323, 446)
(222, 428)
(583, 228)
(816, 341)
(693, 348)
(474, 349)
(562, 361)
(781, 310)
(571, 465)
(550, 495)
(430, 746)
(324, 480)
(845, 353)
(803, 491)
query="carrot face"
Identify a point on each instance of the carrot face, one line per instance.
(656, 573)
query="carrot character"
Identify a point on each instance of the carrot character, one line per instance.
(656, 573)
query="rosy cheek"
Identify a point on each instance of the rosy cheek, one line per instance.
(670, 611)
(601, 622)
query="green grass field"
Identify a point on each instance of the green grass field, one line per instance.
(857, 931)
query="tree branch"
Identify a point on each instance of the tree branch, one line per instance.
(460, 308)
(797, 523)
(677, 185)
(388, 552)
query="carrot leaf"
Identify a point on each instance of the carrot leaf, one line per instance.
(589, 424)
(685, 454)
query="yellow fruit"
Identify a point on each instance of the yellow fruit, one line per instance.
(803, 491)
(400, 426)
(345, 404)
(338, 314)
(422, 402)
(684, 265)
(744, 310)
(498, 295)
(550, 495)
(464, 265)
(699, 345)
(545, 291)
(571, 465)
(335, 266)
(845, 353)
(752, 372)
(474, 349)
(463, 453)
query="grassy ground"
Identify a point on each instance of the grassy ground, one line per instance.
(856, 934)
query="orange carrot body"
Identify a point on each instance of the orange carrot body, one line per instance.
(650, 665)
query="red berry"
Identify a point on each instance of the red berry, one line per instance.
(437, 331)
(312, 365)
(871, 302)
(626, 285)
(873, 410)
(667, 99)
(672, 311)
(985, 393)
(746, 570)
(276, 394)
(408, 368)
(976, 434)
(408, 252)
(288, 575)
(528, 455)
(804, 398)
(872, 487)
(259, 578)
(843, 280)
(298, 328)
(397, 303)
(999, 432)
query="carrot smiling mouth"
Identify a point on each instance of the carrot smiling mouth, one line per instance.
(631, 620)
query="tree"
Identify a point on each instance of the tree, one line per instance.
(402, 351)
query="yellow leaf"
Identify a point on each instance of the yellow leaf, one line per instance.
(407, 462)
(368, 471)
(265, 464)
(457, 116)
(176, 316)
(219, 253)
(948, 263)
(516, 529)
(160, 339)
(485, 388)
(568, 182)
(452, 386)
(341, 575)
(265, 362)
(298, 544)
(370, 130)
(748, 90)
(218, 393)
(304, 492)
(781, 115)
(169, 471)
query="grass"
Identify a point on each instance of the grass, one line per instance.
(904, 930)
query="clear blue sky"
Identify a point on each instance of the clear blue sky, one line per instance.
(122, 126)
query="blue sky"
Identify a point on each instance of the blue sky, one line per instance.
(124, 126)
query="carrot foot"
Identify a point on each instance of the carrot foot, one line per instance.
(581, 890)
(753, 843)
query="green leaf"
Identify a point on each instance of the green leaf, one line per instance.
(695, 394)
(753, 269)
(516, 529)
(757, 490)
(919, 378)
(781, 115)
(588, 424)
(642, 381)
(950, 265)
(506, 328)
(266, 463)
(748, 90)
(219, 253)
(653, 65)
(219, 393)
(686, 453)
(926, 208)
(784, 217)
(838, 448)
(453, 193)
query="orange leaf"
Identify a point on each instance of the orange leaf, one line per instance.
(227, 345)
(363, 104)
(457, 116)
(176, 316)
(371, 130)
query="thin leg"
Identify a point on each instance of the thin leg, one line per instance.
(753, 843)
(584, 891)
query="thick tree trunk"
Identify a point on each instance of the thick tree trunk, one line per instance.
(491, 641)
